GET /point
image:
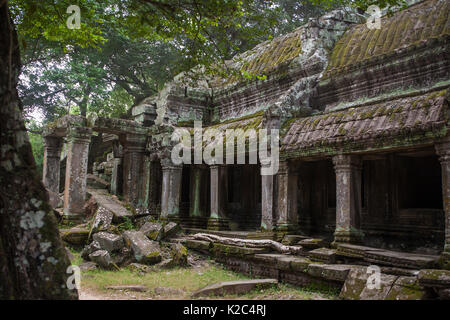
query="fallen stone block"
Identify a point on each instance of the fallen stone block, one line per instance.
(102, 258)
(88, 266)
(76, 235)
(299, 264)
(234, 287)
(406, 288)
(90, 248)
(137, 267)
(123, 257)
(109, 241)
(171, 229)
(434, 278)
(323, 255)
(153, 230)
(129, 287)
(102, 220)
(178, 253)
(144, 250)
(267, 258)
(101, 198)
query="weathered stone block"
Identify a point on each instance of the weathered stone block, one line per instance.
(144, 250)
(102, 220)
(333, 272)
(406, 288)
(401, 259)
(178, 253)
(313, 243)
(76, 235)
(109, 241)
(291, 239)
(434, 278)
(90, 248)
(300, 264)
(88, 266)
(323, 255)
(102, 258)
(198, 245)
(171, 229)
(229, 250)
(356, 286)
(153, 230)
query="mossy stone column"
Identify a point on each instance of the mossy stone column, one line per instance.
(196, 210)
(218, 219)
(52, 158)
(133, 169)
(171, 190)
(78, 139)
(443, 150)
(287, 198)
(348, 199)
(267, 200)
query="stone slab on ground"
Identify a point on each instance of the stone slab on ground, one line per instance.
(144, 250)
(129, 287)
(234, 287)
(434, 278)
(75, 235)
(401, 259)
(323, 255)
(109, 241)
(198, 245)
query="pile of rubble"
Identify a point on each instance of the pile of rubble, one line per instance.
(115, 238)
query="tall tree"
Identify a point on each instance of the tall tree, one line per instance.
(33, 261)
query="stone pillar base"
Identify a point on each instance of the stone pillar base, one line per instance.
(218, 224)
(196, 222)
(444, 261)
(286, 227)
(348, 236)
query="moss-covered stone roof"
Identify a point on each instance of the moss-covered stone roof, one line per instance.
(417, 116)
(417, 24)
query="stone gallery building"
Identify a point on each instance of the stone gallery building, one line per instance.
(364, 143)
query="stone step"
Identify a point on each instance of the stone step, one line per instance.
(313, 243)
(323, 255)
(234, 287)
(401, 259)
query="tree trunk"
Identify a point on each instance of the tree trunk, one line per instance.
(33, 261)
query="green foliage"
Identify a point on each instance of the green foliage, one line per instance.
(37, 145)
(127, 224)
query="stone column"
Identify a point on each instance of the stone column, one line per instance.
(78, 139)
(348, 199)
(443, 150)
(217, 219)
(52, 158)
(267, 203)
(117, 172)
(171, 190)
(133, 169)
(287, 198)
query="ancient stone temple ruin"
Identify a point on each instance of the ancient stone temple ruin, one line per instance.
(364, 146)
